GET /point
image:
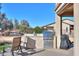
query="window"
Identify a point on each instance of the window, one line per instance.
(66, 29)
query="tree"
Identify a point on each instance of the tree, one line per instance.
(2, 17)
(25, 22)
(16, 24)
(11, 25)
(22, 28)
(0, 26)
(5, 23)
(37, 29)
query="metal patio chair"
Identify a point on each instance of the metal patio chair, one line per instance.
(16, 45)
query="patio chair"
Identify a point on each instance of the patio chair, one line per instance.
(30, 43)
(16, 45)
(30, 46)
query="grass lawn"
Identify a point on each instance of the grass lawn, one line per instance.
(3, 46)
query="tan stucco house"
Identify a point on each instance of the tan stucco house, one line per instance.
(67, 26)
(49, 27)
(67, 9)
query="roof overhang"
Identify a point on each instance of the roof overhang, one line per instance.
(65, 9)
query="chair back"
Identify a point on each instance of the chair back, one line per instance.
(16, 43)
(30, 43)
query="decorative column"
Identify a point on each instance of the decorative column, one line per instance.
(76, 29)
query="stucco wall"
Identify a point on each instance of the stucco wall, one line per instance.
(8, 39)
(64, 26)
(68, 21)
(58, 31)
(76, 29)
(39, 43)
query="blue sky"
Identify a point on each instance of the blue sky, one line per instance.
(37, 14)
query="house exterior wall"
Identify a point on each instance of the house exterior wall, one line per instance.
(65, 28)
(76, 29)
(58, 31)
(65, 9)
(49, 27)
(68, 21)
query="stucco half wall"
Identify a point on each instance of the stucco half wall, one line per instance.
(39, 42)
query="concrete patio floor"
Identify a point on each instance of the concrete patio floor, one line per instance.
(55, 52)
(42, 52)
